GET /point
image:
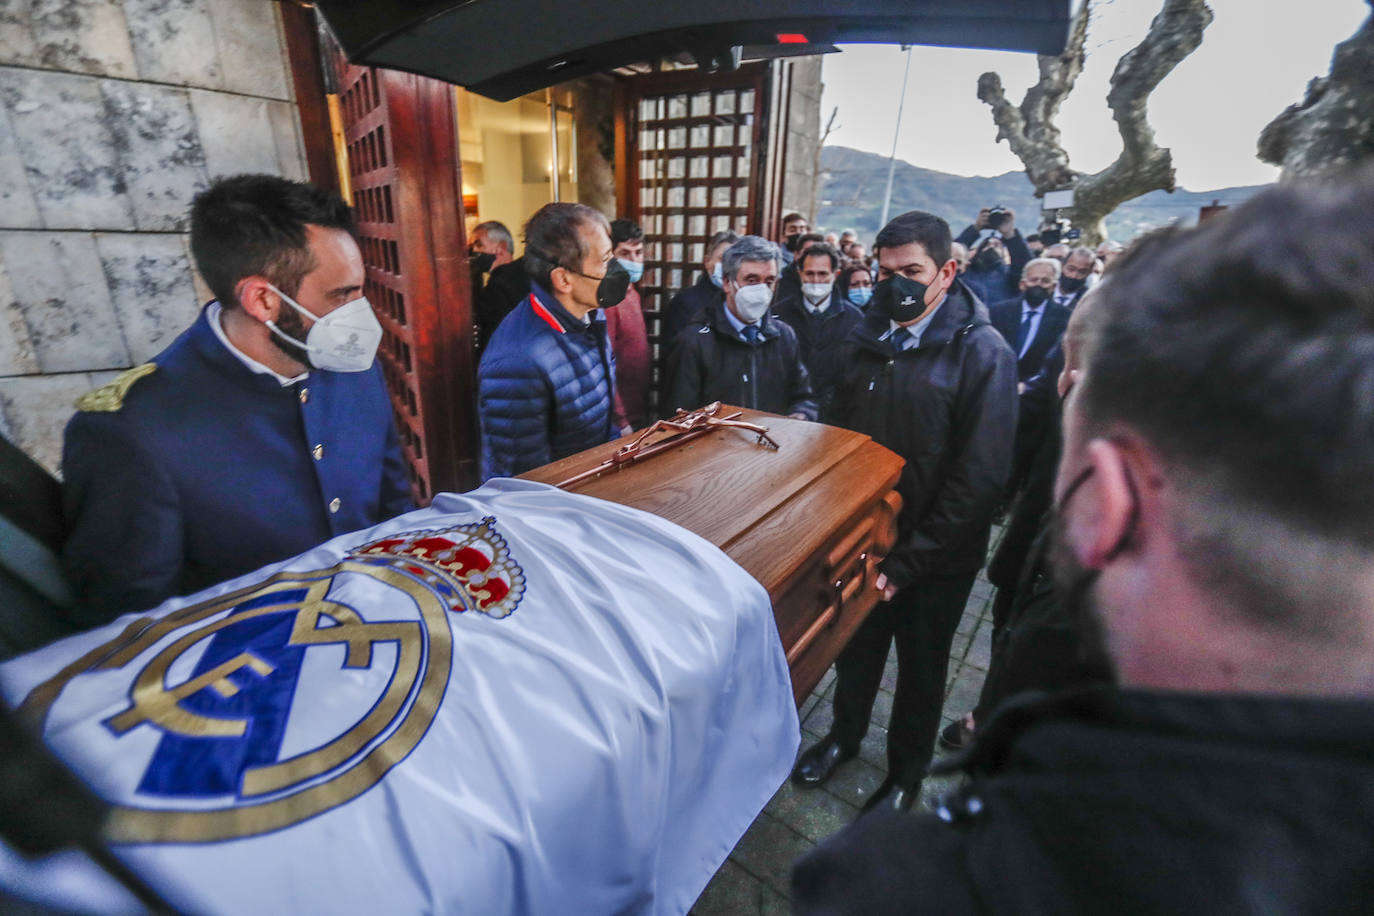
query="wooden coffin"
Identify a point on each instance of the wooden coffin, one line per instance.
(810, 520)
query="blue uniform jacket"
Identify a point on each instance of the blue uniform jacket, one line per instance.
(208, 471)
(545, 387)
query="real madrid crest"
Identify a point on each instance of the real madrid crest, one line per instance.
(272, 704)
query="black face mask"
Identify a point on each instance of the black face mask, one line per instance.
(611, 289)
(614, 285)
(987, 259)
(1073, 582)
(481, 261)
(792, 241)
(1035, 295)
(1071, 284)
(903, 298)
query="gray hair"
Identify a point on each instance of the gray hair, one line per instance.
(1051, 263)
(723, 237)
(498, 231)
(748, 248)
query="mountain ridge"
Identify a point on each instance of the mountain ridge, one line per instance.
(852, 184)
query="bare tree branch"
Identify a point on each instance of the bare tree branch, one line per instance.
(1142, 166)
(816, 162)
(1332, 126)
(1029, 129)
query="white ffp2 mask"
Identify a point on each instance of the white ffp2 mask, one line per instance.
(345, 340)
(751, 302)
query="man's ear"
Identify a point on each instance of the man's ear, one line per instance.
(1099, 516)
(562, 280)
(257, 298)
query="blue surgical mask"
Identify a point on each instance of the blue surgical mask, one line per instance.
(860, 295)
(634, 268)
(717, 277)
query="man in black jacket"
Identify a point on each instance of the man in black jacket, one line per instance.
(738, 353)
(690, 304)
(1030, 323)
(507, 287)
(1213, 506)
(822, 321)
(928, 377)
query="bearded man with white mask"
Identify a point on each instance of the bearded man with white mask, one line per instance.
(737, 353)
(263, 430)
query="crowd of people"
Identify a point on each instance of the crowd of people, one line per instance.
(1180, 434)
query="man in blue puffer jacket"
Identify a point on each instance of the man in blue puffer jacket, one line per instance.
(546, 383)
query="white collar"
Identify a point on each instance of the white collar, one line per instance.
(213, 313)
(819, 307)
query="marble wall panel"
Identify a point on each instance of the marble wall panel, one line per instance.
(18, 209)
(286, 138)
(149, 278)
(252, 53)
(174, 41)
(59, 282)
(16, 33)
(235, 132)
(16, 349)
(161, 162)
(35, 409)
(83, 36)
(61, 131)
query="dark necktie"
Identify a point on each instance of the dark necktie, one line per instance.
(1025, 329)
(751, 334)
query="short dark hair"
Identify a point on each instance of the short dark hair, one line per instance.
(254, 226)
(553, 238)
(1242, 350)
(823, 250)
(925, 229)
(625, 230)
(793, 217)
(842, 281)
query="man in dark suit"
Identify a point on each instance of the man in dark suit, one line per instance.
(1073, 280)
(1031, 323)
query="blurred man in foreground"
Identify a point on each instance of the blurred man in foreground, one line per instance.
(1214, 525)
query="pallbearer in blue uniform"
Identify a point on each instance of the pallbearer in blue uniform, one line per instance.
(263, 430)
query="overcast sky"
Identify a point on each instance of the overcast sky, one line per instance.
(1255, 59)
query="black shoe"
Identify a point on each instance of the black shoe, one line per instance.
(891, 796)
(956, 736)
(820, 761)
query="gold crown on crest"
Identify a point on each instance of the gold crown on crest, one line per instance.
(470, 566)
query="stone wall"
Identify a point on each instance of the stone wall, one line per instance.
(113, 114)
(803, 136)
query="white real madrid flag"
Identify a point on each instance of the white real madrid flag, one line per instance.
(518, 700)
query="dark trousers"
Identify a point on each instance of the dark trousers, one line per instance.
(922, 619)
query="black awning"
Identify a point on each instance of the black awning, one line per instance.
(505, 48)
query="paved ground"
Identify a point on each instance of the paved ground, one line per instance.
(754, 879)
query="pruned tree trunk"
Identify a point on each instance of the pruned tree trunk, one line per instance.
(1333, 126)
(1143, 165)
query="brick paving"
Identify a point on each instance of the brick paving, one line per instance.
(754, 878)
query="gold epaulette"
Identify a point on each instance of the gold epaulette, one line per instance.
(110, 398)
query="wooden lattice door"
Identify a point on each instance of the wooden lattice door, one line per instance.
(691, 168)
(400, 135)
